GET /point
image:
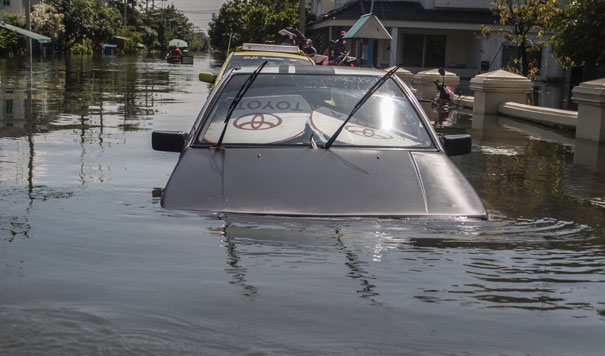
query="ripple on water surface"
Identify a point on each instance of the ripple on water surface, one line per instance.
(528, 264)
(46, 330)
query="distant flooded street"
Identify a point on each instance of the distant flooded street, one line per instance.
(90, 264)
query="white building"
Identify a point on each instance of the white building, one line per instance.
(426, 34)
(16, 6)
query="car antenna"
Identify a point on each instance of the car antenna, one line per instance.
(362, 101)
(236, 100)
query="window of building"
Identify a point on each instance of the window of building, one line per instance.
(6, 3)
(434, 55)
(8, 107)
(413, 50)
(424, 50)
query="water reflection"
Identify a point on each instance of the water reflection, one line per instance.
(525, 264)
(528, 170)
(530, 173)
(590, 154)
(68, 112)
(237, 272)
(245, 239)
(81, 93)
(357, 271)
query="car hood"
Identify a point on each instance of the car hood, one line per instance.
(318, 182)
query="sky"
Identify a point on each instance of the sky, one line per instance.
(199, 12)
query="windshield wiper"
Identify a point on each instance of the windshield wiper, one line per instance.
(362, 101)
(236, 100)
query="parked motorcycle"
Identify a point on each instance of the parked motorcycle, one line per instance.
(444, 101)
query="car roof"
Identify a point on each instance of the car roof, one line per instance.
(269, 48)
(271, 54)
(298, 69)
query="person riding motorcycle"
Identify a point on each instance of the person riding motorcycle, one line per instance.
(176, 52)
(341, 52)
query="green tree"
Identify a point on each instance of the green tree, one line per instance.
(9, 40)
(245, 19)
(46, 21)
(200, 42)
(87, 19)
(159, 26)
(579, 28)
(90, 23)
(177, 25)
(228, 24)
(521, 22)
(134, 38)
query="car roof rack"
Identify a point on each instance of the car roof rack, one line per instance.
(269, 48)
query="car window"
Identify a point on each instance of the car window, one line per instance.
(242, 61)
(290, 109)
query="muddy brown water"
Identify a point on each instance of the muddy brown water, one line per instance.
(90, 264)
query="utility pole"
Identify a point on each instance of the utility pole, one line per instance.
(301, 9)
(28, 26)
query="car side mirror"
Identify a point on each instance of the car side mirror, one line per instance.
(455, 145)
(206, 77)
(168, 141)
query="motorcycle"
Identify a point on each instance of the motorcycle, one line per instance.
(345, 60)
(444, 101)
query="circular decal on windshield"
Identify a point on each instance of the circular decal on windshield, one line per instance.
(367, 132)
(257, 122)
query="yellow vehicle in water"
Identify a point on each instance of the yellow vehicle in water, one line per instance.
(253, 54)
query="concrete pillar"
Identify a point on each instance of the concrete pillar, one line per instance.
(590, 97)
(496, 87)
(393, 51)
(425, 86)
(405, 75)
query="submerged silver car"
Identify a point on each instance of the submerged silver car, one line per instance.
(316, 141)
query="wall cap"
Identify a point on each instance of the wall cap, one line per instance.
(429, 76)
(400, 70)
(539, 114)
(590, 93)
(501, 81)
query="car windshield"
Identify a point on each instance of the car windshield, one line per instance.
(294, 109)
(242, 61)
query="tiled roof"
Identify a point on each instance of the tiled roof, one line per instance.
(407, 11)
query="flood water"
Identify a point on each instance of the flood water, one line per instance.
(90, 264)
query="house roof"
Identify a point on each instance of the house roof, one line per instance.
(368, 26)
(407, 11)
(36, 36)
